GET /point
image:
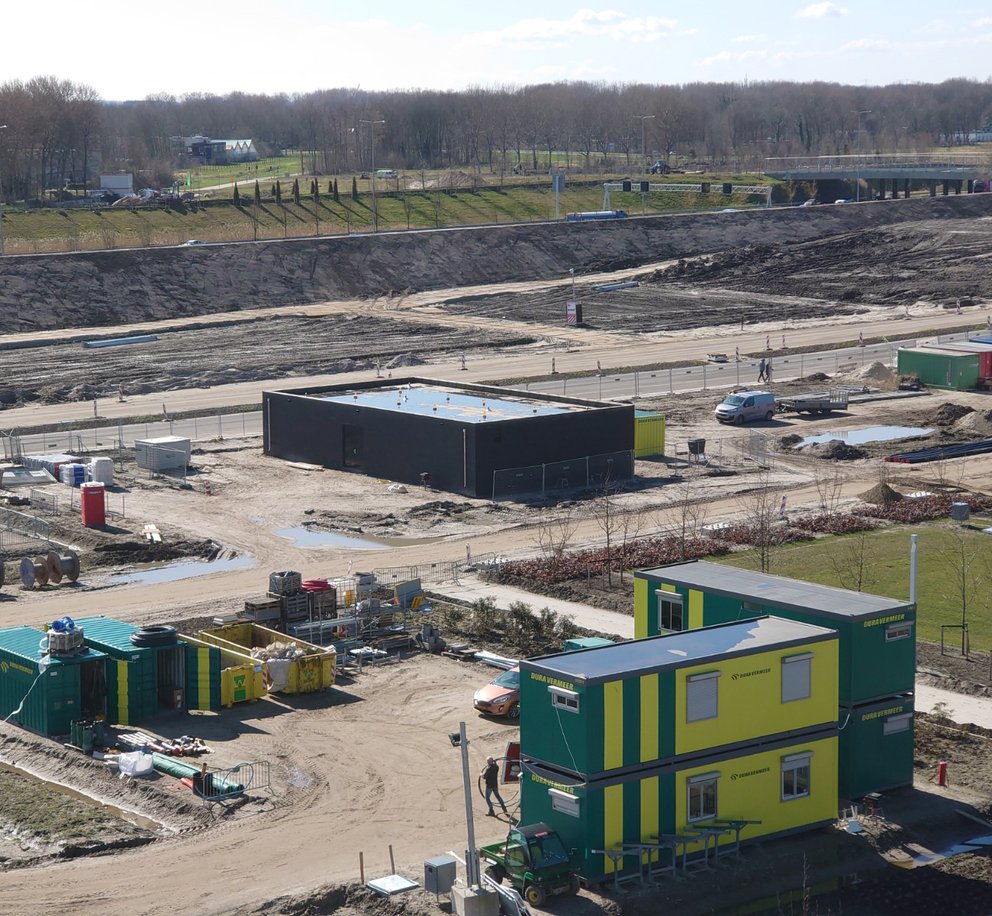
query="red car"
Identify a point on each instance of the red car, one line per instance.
(501, 697)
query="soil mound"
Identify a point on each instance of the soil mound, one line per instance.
(977, 423)
(881, 495)
(835, 450)
(947, 414)
(877, 372)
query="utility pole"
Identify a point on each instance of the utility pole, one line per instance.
(375, 208)
(857, 181)
(644, 152)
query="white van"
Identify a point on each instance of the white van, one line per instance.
(744, 406)
(385, 173)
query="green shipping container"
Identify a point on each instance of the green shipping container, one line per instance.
(203, 668)
(941, 369)
(876, 747)
(877, 635)
(53, 695)
(132, 671)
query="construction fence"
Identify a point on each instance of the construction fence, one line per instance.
(563, 476)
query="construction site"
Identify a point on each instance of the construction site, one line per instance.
(258, 557)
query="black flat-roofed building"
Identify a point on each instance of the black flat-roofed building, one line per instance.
(465, 438)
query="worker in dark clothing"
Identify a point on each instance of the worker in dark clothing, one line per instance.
(490, 775)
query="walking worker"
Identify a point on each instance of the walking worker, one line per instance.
(490, 775)
(761, 369)
(768, 371)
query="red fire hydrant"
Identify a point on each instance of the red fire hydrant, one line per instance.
(942, 773)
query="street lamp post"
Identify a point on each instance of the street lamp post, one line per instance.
(375, 208)
(472, 877)
(857, 181)
(642, 119)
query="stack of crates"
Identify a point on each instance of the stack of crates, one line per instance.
(293, 600)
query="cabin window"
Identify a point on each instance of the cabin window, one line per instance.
(796, 682)
(701, 696)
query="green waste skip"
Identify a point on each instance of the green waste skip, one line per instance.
(187, 771)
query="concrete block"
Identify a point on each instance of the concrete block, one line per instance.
(474, 901)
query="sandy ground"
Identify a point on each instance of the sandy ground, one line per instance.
(368, 764)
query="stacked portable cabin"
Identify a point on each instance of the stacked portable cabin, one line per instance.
(677, 733)
(877, 638)
(54, 689)
(145, 679)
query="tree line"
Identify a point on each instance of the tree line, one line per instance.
(55, 127)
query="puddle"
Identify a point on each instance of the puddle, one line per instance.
(305, 537)
(864, 434)
(185, 569)
(131, 817)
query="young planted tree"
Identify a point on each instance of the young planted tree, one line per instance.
(607, 514)
(554, 532)
(760, 509)
(237, 195)
(296, 191)
(258, 195)
(278, 193)
(337, 196)
(854, 562)
(354, 188)
(967, 570)
(690, 514)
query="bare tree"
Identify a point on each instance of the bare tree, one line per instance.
(828, 489)
(968, 577)
(630, 524)
(607, 514)
(854, 561)
(554, 531)
(761, 508)
(690, 514)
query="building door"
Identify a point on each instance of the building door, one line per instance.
(351, 440)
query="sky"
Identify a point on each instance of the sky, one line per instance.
(133, 49)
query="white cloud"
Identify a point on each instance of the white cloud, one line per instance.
(819, 10)
(583, 24)
(749, 38)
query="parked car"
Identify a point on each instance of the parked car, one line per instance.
(190, 242)
(660, 168)
(501, 696)
(744, 406)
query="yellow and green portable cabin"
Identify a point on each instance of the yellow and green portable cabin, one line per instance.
(144, 680)
(625, 742)
(49, 691)
(877, 647)
(876, 746)
(877, 635)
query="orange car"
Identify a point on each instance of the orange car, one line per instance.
(501, 697)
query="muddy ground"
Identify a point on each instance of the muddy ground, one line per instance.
(340, 783)
(274, 347)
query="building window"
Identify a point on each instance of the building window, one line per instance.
(564, 802)
(701, 696)
(895, 724)
(564, 699)
(701, 797)
(795, 776)
(670, 611)
(796, 677)
(896, 631)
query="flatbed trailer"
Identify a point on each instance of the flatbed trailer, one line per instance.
(815, 402)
